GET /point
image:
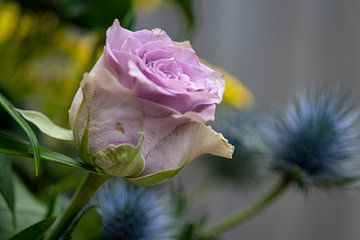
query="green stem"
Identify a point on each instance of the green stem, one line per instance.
(249, 212)
(84, 192)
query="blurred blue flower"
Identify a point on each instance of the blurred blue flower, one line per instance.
(316, 139)
(134, 213)
(244, 130)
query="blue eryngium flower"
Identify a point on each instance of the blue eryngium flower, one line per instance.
(316, 139)
(244, 130)
(134, 213)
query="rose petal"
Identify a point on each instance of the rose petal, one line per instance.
(113, 111)
(116, 35)
(184, 143)
(148, 90)
(166, 154)
(156, 34)
(75, 107)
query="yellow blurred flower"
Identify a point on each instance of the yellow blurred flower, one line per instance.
(146, 5)
(9, 14)
(236, 94)
(79, 46)
(25, 25)
(42, 59)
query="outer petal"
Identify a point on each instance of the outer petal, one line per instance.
(75, 107)
(116, 35)
(168, 154)
(113, 112)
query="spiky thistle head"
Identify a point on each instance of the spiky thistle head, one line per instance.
(316, 139)
(133, 213)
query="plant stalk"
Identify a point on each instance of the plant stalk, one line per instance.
(83, 194)
(249, 212)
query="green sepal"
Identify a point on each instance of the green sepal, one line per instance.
(84, 145)
(154, 178)
(46, 126)
(121, 161)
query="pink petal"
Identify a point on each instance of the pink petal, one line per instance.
(171, 146)
(113, 111)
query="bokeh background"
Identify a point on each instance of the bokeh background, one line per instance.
(275, 47)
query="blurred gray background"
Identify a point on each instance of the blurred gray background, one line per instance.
(276, 47)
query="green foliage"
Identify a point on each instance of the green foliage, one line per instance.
(25, 126)
(191, 227)
(7, 184)
(46, 125)
(89, 226)
(154, 178)
(35, 231)
(54, 192)
(91, 15)
(28, 211)
(96, 14)
(192, 231)
(12, 146)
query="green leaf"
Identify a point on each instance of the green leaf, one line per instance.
(54, 191)
(84, 145)
(89, 226)
(35, 231)
(14, 147)
(25, 126)
(121, 161)
(46, 125)
(28, 211)
(7, 184)
(154, 178)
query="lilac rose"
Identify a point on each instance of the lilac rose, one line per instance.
(140, 113)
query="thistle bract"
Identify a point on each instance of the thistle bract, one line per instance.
(131, 213)
(316, 139)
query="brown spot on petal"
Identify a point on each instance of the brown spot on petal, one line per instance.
(94, 94)
(119, 127)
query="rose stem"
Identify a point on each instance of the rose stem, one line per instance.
(249, 212)
(84, 192)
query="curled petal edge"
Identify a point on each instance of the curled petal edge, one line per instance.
(205, 141)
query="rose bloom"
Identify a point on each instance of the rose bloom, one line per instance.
(141, 111)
